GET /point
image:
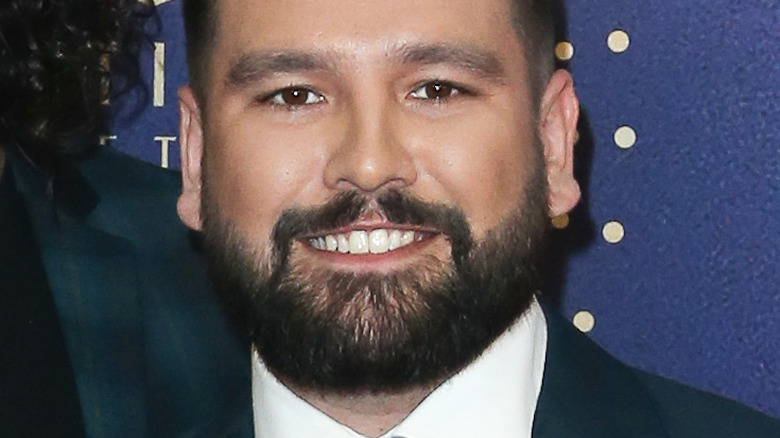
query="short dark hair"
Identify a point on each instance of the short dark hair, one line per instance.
(200, 29)
(534, 22)
(54, 71)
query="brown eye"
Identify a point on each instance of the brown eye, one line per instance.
(294, 97)
(435, 91)
(438, 90)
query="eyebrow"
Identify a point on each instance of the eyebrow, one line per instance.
(476, 60)
(254, 67)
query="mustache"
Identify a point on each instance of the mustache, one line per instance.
(396, 206)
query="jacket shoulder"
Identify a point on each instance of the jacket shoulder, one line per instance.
(137, 200)
(114, 173)
(689, 412)
(586, 392)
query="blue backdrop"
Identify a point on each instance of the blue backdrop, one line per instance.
(672, 257)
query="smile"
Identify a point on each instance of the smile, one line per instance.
(376, 241)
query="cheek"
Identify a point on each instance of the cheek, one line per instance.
(484, 167)
(256, 173)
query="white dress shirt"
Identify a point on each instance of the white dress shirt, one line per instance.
(493, 397)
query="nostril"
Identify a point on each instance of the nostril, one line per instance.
(368, 176)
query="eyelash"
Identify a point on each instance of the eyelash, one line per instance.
(458, 90)
(268, 98)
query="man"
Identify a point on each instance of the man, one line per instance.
(374, 180)
(107, 324)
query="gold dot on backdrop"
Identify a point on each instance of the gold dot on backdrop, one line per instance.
(584, 321)
(560, 222)
(564, 51)
(618, 41)
(625, 137)
(613, 232)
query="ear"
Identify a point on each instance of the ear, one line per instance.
(560, 110)
(191, 142)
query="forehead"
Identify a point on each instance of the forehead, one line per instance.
(361, 27)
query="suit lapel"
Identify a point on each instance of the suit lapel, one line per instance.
(93, 279)
(588, 394)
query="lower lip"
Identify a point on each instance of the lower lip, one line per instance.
(369, 260)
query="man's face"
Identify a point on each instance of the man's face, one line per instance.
(359, 143)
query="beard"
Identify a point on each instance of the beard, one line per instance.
(353, 333)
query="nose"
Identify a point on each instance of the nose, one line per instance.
(372, 153)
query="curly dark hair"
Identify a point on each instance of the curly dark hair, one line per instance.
(54, 71)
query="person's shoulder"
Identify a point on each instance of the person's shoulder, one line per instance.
(137, 200)
(587, 389)
(689, 412)
(114, 173)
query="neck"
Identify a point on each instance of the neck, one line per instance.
(370, 414)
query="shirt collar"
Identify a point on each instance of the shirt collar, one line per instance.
(499, 392)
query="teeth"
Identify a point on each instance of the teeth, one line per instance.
(343, 243)
(358, 242)
(331, 243)
(395, 240)
(377, 241)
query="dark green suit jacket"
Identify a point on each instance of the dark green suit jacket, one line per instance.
(586, 393)
(150, 352)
